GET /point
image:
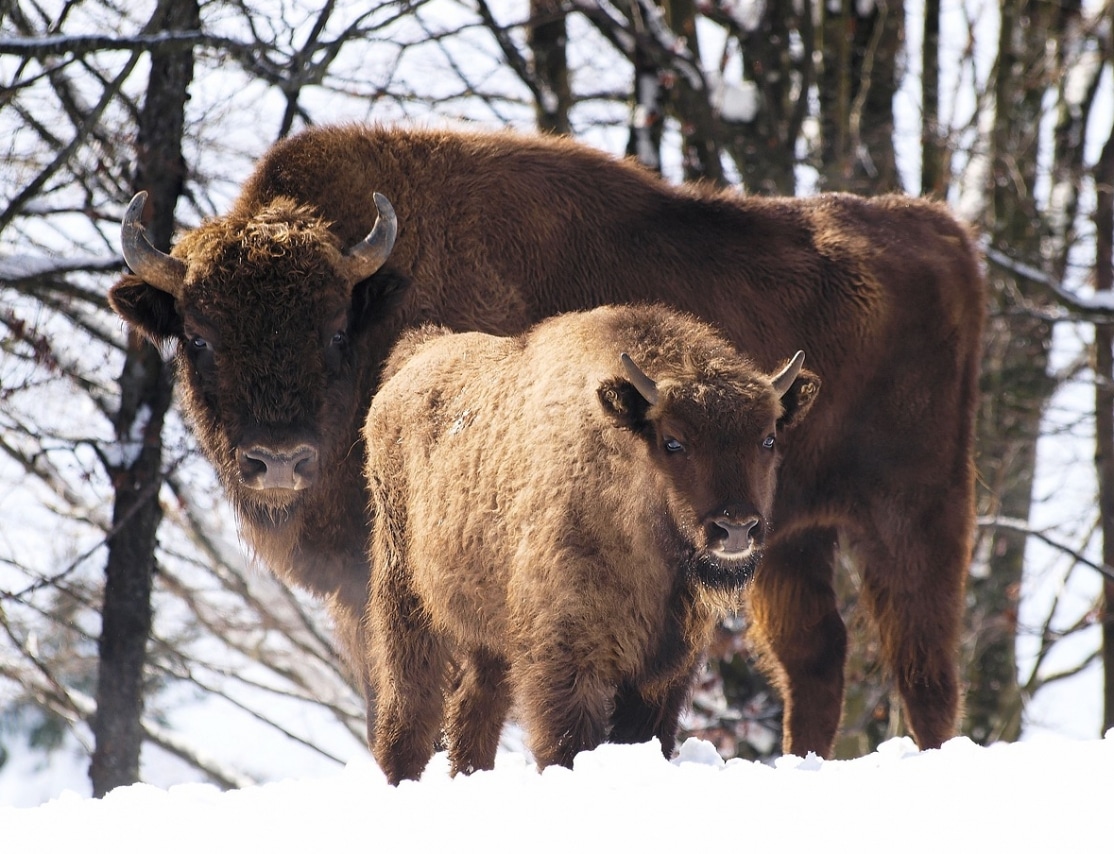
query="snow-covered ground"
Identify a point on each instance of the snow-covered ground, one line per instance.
(1047, 795)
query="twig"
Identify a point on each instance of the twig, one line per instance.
(1021, 526)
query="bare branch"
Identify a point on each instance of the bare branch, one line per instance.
(63, 46)
(1023, 527)
(1098, 309)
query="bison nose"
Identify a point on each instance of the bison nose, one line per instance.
(735, 533)
(278, 468)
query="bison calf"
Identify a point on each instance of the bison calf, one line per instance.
(563, 526)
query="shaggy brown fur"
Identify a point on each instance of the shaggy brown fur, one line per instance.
(497, 231)
(538, 521)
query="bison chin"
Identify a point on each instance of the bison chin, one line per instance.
(721, 571)
(268, 509)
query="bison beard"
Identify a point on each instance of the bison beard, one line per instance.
(267, 517)
(720, 574)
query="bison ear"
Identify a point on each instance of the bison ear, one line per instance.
(623, 404)
(148, 309)
(377, 296)
(798, 399)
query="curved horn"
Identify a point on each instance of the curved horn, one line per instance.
(372, 252)
(645, 386)
(783, 379)
(156, 268)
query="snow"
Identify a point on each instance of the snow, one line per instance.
(736, 102)
(1049, 794)
(125, 451)
(747, 14)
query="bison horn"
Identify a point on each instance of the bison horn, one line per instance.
(783, 379)
(372, 252)
(645, 386)
(156, 268)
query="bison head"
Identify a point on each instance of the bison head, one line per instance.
(713, 435)
(264, 307)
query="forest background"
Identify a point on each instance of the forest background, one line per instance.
(123, 585)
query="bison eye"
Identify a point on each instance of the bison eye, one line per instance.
(672, 446)
(199, 343)
(340, 339)
(768, 442)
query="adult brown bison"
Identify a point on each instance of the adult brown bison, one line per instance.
(281, 336)
(567, 536)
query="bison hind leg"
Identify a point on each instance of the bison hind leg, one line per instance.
(411, 673)
(914, 571)
(407, 722)
(476, 710)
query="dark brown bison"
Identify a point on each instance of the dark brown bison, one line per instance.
(281, 338)
(566, 530)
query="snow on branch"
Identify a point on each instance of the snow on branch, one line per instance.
(14, 268)
(250, 56)
(43, 47)
(1097, 308)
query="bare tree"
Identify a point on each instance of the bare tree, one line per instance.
(1104, 409)
(146, 385)
(934, 151)
(1016, 378)
(859, 43)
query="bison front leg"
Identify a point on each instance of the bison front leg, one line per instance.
(476, 711)
(564, 704)
(800, 638)
(638, 718)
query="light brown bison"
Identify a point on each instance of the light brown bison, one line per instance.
(281, 342)
(566, 531)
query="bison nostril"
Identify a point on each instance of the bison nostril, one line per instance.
(305, 461)
(282, 468)
(736, 533)
(252, 465)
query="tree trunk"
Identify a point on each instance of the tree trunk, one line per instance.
(700, 146)
(765, 148)
(647, 112)
(145, 395)
(1016, 386)
(934, 152)
(860, 45)
(1104, 411)
(547, 38)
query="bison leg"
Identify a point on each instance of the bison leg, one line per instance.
(796, 629)
(410, 668)
(914, 571)
(350, 628)
(637, 718)
(409, 703)
(476, 711)
(564, 704)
